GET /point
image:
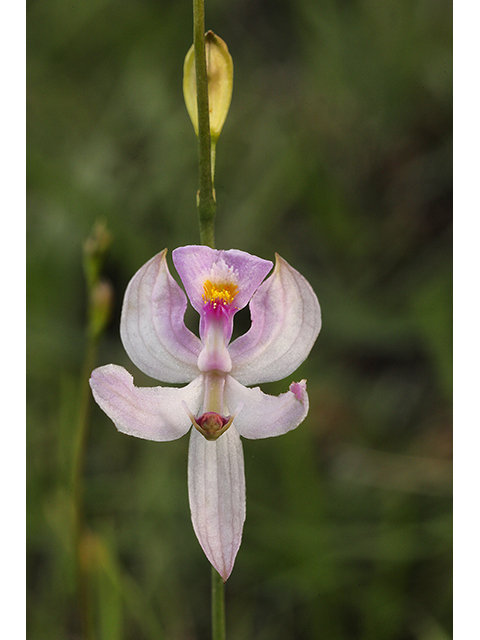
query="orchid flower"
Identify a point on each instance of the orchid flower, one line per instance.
(285, 322)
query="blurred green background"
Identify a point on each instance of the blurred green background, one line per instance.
(337, 155)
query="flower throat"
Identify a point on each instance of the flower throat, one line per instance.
(216, 294)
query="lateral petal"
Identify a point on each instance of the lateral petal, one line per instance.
(263, 416)
(216, 490)
(152, 328)
(152, 413)
(286, 320)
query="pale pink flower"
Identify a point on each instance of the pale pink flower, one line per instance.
(285, 322)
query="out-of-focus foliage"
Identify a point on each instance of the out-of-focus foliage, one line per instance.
(337, 155)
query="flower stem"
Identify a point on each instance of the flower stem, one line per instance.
(79, 530)
(206, 205)
(99, 307)
(218, 607)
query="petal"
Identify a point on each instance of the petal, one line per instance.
(194, 265)
(152, 413)
(152, 328)
(286, 320)
(263, 416)
(216, 490)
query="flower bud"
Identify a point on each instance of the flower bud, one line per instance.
(220, 83)
(94, 250)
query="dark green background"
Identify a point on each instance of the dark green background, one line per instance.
(337, 155)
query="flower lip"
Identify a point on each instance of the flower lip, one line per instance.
(229, 271)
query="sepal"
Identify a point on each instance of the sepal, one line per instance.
(262, 415)
(216, 491)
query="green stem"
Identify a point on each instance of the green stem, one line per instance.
(206, 207)
(218, 606)
(206, 204)
(86, 614)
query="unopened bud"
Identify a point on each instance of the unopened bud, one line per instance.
(94, 251)
(220, 83)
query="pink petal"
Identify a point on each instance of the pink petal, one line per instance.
(263, 416)
(216, 489)
(152, 413)
(152, 328)
(194, 265)
(286, 320)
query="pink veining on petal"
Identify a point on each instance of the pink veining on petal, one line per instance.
(152, 328)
